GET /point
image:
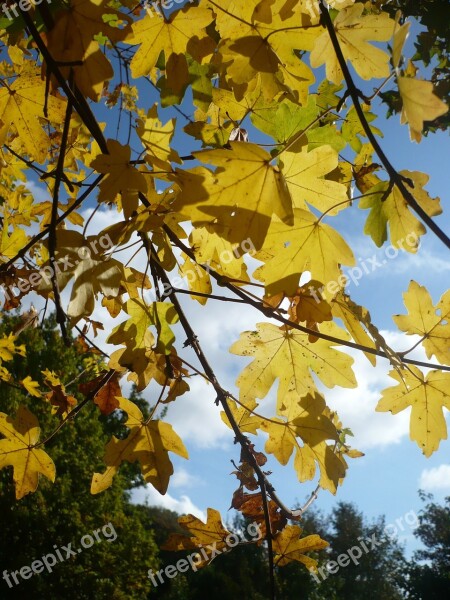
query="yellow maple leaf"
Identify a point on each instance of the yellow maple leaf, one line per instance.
(353, 32)
(431, 322)
(419, 104)
(183, 32)
(85, 19)
(92, 272)
(241, 13)
(226, 102)
(288, 546)
(11, 242)
(398, 42)
(243, 193)
(93, 73)
(304, 173)
(310, 245)
(248, 423)
(404, 228)
(426, 395)
(211, 247)
(135, 331)
(201, 534)
(147, 442)
(156, 138)
(308, 306)
(288, 355)
(305, 422)
(198, 279)
(8, 348)
(92, 277)
(19, 451)
(163, 315)
(31, 386)
(145, 364)
(120, 177)
(216, 133)
(72, 40)
(261, 42)
(95, 69)
(22, 105)
(51, 378)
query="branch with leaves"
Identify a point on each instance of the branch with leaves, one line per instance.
(223, 212)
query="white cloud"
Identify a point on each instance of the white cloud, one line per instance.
(415, 263)
(356, 407)
(183, 479)
(195, 416)
(40, 193)
(152, 497)
(435, 479)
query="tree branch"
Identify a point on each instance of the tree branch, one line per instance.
(39, 236)
(79, 406)
(354, 93)
(52, 234)
(272, 313)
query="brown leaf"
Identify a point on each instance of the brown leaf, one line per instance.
(82, 346)
(58, 398)
(238, 498)
(29, 318)
(253, 509)
(106, 398)
(260, 457)
(96, 325)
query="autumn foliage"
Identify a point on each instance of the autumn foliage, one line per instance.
(296, 76)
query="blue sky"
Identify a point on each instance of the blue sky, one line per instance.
(386, 479)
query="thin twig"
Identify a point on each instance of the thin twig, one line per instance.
(192, 340)
(79, 102)
(52, 233)
(78, 407)
(272, 313)
(210, 296)
(354, 93)
(89, 341)
(39, 236)
(269, 536)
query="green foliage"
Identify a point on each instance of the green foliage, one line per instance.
(62, 513)
(428, 577)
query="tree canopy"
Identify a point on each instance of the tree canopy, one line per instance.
(62, 512)
(429, 575)
(233, 141)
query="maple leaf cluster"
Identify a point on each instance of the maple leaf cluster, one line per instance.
(257, 63)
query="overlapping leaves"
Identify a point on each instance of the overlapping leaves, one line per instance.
(275, 197)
